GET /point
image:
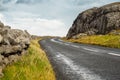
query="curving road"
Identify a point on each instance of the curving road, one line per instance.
(72, 61)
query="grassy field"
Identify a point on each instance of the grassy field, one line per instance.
(102, 40)
(33, 66)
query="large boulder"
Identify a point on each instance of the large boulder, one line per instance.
(9, 49)
(1, 25)
(97, 20)
(14, 37)
(1, 38)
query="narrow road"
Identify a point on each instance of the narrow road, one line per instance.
(72, 61)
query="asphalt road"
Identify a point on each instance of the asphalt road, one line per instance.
(72, 61)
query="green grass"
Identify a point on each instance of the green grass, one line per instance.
(33, 66)
(102, 40)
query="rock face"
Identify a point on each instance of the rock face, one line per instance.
(12, 44)
(97, 20)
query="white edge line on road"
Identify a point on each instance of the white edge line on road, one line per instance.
(79, 70)
(53, 40)
(66, 44)
(60, 40)
(75, 46)
(114, 54)
(93, 50)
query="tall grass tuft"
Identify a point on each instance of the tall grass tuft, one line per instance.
(102, 40)
(33, 66)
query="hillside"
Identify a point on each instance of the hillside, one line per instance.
(94, 21)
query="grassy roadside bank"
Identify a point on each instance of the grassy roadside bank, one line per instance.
(112, 41)
(33, 66)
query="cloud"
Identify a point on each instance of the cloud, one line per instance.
(40, 26)
(45, 17)
(2, 18)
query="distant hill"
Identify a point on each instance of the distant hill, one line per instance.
(94, 21)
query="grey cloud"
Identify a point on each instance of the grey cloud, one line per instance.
(5, 1)
(63, 10)
(30, 1)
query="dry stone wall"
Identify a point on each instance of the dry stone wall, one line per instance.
(13, 44)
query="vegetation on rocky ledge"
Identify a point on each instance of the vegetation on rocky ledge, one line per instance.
(102, 40)
(98, 26)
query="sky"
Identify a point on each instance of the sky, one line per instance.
(45, 17)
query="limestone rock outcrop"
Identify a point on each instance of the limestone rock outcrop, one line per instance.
(13, 42)
(97, 20)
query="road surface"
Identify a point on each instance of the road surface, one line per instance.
(72, 61)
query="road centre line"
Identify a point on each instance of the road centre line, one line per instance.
(93, 50)
(114, 54)
(75, 46)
